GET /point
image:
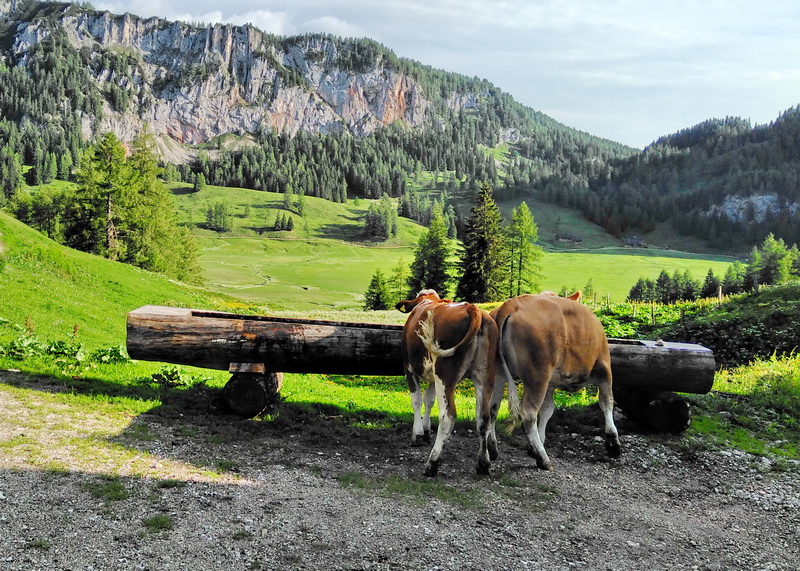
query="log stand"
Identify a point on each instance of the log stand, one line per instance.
(251, 390)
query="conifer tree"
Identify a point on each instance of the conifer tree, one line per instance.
(377, 296)
(431, 265)
(524, 270)
(483, 259)
(710, 285)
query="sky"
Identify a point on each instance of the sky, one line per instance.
(626, 70)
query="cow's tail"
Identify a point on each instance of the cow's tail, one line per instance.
(428, 336)
(514, 408)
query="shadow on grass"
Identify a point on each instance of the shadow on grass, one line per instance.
(190, 425)
(183, 190)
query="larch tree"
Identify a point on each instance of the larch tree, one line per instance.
(430, 268)
(121, 210)
(483, 259)
(524, 270)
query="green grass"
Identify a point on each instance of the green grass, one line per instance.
(107, 488)
(755, 408)
(61, 293)
(158, 523)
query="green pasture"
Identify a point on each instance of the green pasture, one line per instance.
(327, 263)
(295, 274)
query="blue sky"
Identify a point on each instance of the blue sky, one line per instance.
(630, 71)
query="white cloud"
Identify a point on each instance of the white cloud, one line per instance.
(334, 26)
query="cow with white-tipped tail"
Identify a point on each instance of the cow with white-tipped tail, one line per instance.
(549, 342)
(444, 342)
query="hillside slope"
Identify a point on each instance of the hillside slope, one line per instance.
(54, 289)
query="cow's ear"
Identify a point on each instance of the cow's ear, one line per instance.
(575, 296)
(402, 306)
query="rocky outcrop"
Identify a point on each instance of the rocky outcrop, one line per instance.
(755, 207)
(192, 83)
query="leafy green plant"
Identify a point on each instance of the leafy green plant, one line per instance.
(170, 376)
(42, 544)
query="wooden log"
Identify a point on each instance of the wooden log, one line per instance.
(214, 340)
(661, 365)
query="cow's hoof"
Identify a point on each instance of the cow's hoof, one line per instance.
(493, 453)
(427, 436)
(432, 468)
(542, 466)
(613, 448)
(482, 469)
(416, 440)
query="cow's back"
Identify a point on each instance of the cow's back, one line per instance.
(545, 331)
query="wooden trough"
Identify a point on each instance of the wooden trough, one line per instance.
(258, 349)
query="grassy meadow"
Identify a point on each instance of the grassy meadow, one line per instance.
(62, 323)
(327, 263)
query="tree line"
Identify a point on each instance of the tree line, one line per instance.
(771, 263)
(683, 178)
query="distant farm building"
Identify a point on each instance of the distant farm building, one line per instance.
(634, 242)
(569, 237)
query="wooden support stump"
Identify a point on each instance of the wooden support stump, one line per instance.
(251, 389)
(659, 411)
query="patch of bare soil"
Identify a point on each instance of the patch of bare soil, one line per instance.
(307, 491)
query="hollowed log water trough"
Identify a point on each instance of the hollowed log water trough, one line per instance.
(259, 349)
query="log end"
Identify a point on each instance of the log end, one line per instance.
(250, 394)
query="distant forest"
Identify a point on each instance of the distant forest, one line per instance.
(682, 179)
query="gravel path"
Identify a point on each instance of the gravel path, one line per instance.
(307, 492)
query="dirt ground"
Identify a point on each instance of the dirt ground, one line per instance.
(306, 491)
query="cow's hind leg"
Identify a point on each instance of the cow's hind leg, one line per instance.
(546, 412)
(536, 386)
(485, 418)
(430, 396)
(500, 381)
(606, 401)
(416, 404)
(447, 419)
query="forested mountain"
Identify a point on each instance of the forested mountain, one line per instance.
(341, 117)
(722, 180)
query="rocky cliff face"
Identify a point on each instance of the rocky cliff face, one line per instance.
(191, 84)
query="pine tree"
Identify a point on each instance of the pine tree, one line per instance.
(710, 285)
(377, 296)
(483, 259)
(431, 266)
(524, 270)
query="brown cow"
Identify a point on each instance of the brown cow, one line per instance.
(442, 343)
(550, 342)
